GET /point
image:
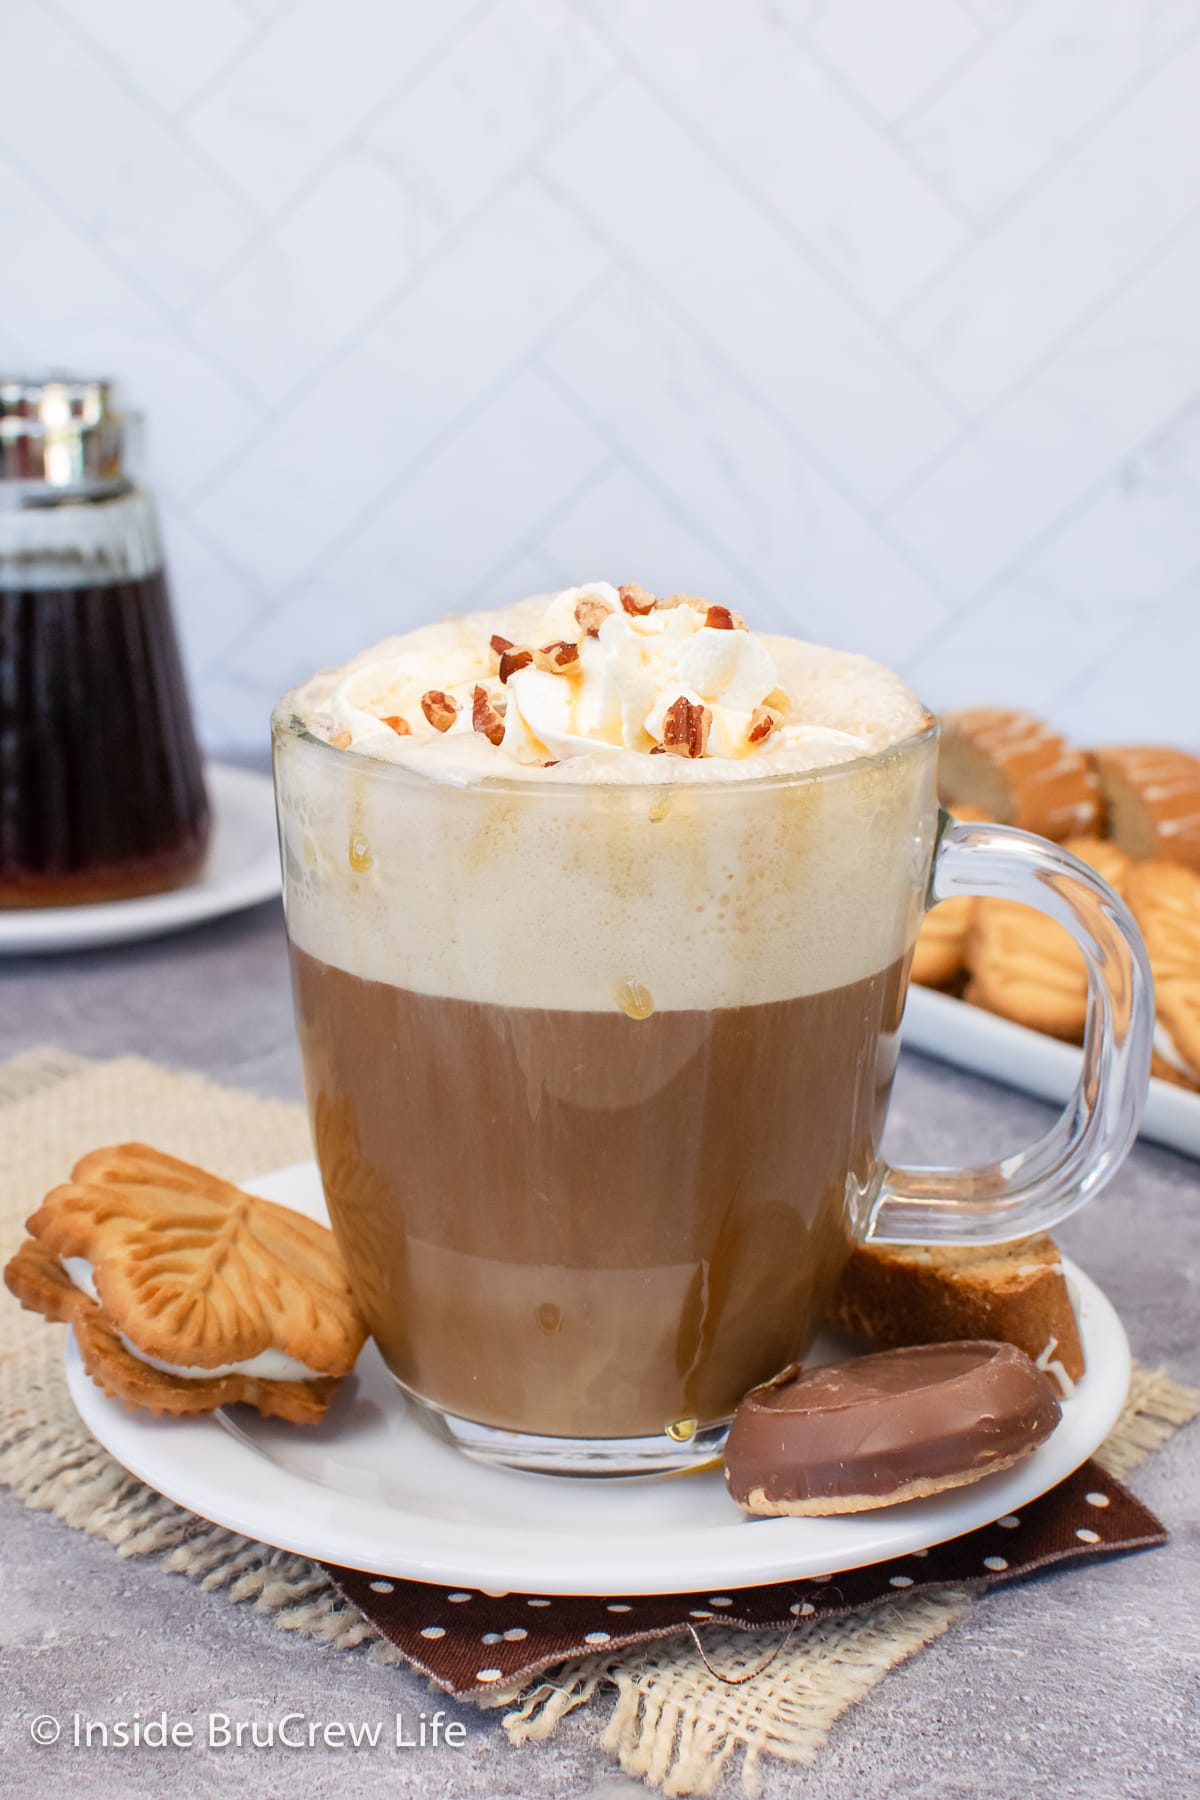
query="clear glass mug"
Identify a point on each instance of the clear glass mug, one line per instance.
(598, 1074)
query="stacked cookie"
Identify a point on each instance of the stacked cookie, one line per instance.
(1133, 814)
(185, 1293)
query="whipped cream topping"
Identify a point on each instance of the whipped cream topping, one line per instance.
(268, 1365)
(445, 863)
(605, 694)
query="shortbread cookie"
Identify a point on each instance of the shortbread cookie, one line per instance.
(879, 1430)
(1018, 771)
(199, 1293)
(1164, 898)
(941, 948)
(1152, 797)
(1025, 966)
(899, 1294)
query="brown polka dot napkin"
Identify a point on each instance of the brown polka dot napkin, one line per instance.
(469, 1642)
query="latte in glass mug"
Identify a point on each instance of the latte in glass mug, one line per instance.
(600, 909)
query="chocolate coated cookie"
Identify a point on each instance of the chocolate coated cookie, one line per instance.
(880, 1429)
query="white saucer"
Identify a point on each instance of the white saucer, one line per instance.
(372, 1487)
(241, 868)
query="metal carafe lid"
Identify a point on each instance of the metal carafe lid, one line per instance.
(60, 438)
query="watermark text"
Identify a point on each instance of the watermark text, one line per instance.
(222, 1731)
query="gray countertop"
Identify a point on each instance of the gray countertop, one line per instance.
(1082, 1683)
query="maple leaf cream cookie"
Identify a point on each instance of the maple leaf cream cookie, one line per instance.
(1027, 967)
(186, 1293)
(1164, 898)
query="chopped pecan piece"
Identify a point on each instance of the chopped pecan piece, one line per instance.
(719, 618)
(400, 726)
(558, 657)
(500, 644)
(439, 709)
(635, 599)
(590, 613)
(763, 721)
(685, 728)
(668, 600)
(484, 716)
(512, 659)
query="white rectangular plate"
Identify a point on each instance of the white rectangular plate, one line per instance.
(977, 1040)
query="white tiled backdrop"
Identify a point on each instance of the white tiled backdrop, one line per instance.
(879, 319)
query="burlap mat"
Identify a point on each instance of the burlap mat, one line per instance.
(676, 1723)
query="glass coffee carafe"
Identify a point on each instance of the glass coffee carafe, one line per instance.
(101, 785)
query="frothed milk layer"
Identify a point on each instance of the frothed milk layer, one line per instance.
(665, 886)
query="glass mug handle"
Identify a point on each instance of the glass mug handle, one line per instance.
(1037, 1187)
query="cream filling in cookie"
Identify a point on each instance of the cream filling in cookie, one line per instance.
(268, 1365)
(1164, 1043)
(81, 1273)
